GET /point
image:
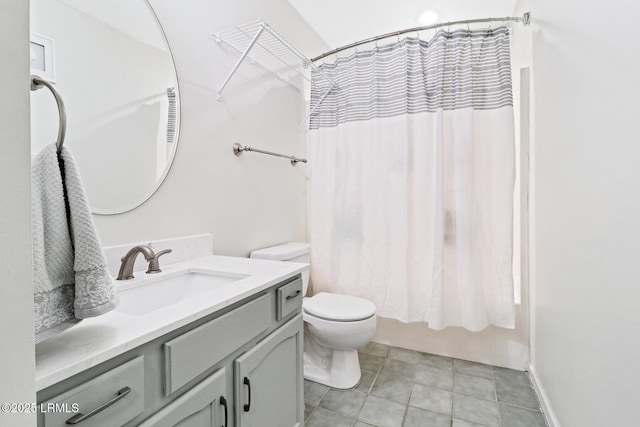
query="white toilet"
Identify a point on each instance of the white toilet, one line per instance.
(335, 326)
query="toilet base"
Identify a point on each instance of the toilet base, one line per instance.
(340, 369)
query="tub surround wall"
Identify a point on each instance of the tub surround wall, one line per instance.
(17, 374)
(495, 346)
(246, 202)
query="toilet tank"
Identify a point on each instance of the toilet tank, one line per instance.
(294, 252)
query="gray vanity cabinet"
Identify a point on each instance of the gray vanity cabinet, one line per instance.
(268, 380)
(240, 366)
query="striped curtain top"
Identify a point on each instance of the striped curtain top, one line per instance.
(453, 70)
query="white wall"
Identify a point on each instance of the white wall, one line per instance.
(587, 210)
(246, 202)
(17, 380)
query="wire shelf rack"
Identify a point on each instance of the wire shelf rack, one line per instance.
(264, 48)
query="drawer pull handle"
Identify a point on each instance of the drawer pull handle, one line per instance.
(223, 402)
(80, 417)
(247, 406)
(295, 294)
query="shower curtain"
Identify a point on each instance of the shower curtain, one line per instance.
(411, 179)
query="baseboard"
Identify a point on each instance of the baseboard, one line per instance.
(550, 416)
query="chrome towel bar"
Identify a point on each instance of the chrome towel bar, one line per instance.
(238, 149)
(38, 82)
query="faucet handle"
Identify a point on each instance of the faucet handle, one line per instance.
(154, 265)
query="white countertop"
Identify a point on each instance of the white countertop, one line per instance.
(101, 338)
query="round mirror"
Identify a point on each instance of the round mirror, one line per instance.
(112, 66)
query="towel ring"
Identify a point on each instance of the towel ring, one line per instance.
(38, 82)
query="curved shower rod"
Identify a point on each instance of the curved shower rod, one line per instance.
(525, 19)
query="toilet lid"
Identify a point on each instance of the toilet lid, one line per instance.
(339, 307)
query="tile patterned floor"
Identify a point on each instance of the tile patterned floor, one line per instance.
(404, 388)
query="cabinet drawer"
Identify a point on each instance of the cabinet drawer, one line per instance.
(194, 352)
(119, 392)
(289, 299)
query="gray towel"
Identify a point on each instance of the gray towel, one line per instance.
(70, 276)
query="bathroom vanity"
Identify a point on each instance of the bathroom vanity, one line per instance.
(227, 356)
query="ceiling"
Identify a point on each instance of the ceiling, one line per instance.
(340, 22)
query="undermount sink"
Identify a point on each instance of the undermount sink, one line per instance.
(157, 294)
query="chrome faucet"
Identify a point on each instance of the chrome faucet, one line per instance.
(128, 261)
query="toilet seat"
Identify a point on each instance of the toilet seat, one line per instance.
(339, 308)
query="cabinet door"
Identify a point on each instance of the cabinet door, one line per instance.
(268, 380)
(205, 405)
